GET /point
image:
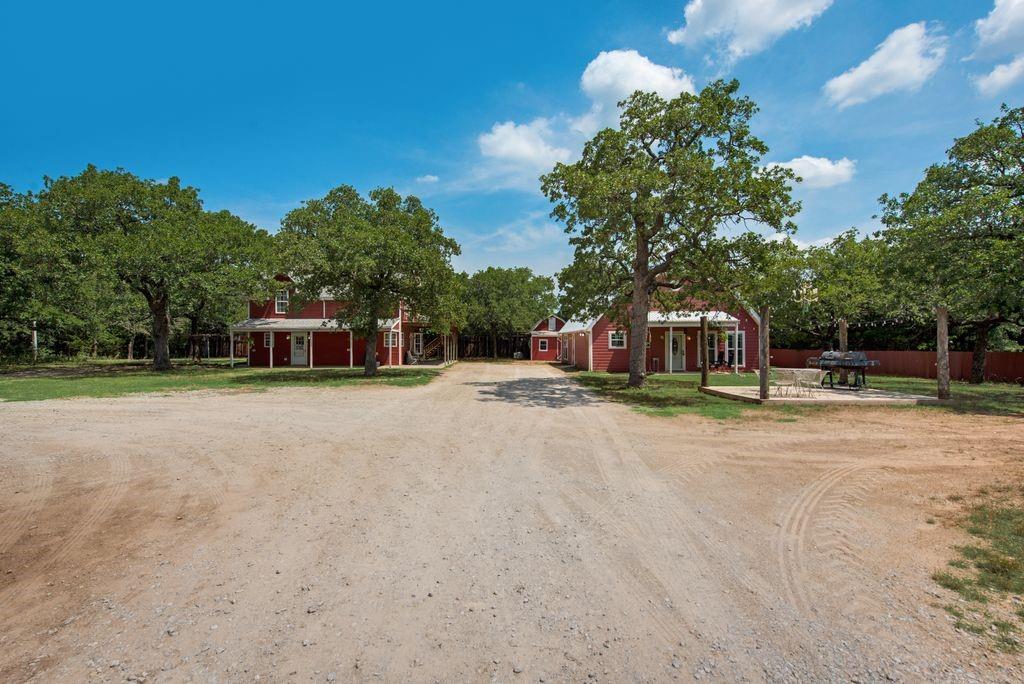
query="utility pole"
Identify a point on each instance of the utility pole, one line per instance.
(35, 342)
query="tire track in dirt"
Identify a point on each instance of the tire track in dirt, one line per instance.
(807, 511)
(39, 485)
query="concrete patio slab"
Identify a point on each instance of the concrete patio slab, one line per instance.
(831, 397)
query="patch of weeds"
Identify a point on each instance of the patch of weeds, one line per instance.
(991, 570)
(930, 521)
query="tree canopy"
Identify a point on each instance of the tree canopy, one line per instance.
(508, 300)
(153, 238)
(653, 207)
(957, 240)
(373, 254)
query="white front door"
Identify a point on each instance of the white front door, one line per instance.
(298, 349)
(677, 352)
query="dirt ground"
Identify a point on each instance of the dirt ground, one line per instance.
(500, 523)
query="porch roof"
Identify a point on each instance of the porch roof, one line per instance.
(686, 318)
(298, 324)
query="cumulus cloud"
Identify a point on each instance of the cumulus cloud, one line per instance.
(427, 179)
(614, 75)
(744, 27)
(1000, 78)
(522, 144)
(819, 172)
(1002, 30)
(903, 62)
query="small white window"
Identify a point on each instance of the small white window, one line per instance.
(281, 302)
(542, 345)
(391, 339)
(266, 340)
(731, 351)
(617, 339)
(551, 323)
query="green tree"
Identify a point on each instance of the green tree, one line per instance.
(149, 236)
(958, 239)
(650, 206)
(508, 300)
(373, 254)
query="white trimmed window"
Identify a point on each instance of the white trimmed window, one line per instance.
(731, 347)
(391, 338)
(617, 339)
(542, 345)
(552, 324)
(266, 340)
(281, 302)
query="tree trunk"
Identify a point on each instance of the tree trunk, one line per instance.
(844, 346)
(705, 362)
(494, 343)
(131, 346)
(161, 333)
(981, 332)
(942, 351)
(638, 337)
(370, 361)
(764, 351)
(193, 339)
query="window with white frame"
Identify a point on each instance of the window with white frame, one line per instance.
(281, 302)
(267, 340)
(730, 340)
(617, 339)
(542, 345)
(551, 323)
(391, 338)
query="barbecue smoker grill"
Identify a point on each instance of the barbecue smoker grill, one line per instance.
(831, 361)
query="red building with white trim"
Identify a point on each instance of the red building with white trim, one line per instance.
(672, 342)
(280, 334)
(545, 341)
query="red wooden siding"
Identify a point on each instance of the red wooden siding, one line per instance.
(1004, 366)
(330, 348)
(550, 355)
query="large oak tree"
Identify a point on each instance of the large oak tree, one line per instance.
(650, 206)
(373, 254)
(508, 300)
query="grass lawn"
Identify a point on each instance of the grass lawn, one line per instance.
(672, 395)
(988, 574)
(114, 379)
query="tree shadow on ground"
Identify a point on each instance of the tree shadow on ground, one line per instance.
(556, 393)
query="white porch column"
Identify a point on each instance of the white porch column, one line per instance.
(351, 344)
(310, 350)
(231, 348)
(671, 339)
(736, 349)
(273, 340)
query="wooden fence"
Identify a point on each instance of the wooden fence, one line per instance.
(1004, 366)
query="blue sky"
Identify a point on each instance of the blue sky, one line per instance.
(263, 105)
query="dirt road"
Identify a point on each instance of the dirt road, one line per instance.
(499, 523)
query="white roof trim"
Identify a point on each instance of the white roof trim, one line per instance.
(299, 324)
(688, 317)
(577, 326)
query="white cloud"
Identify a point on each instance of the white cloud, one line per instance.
(614, 75)
(1000, 78)
(522, 144)
(744, 26)
(531, 239)
(819, 172)
(904, 61)
(427, 179)
(1002, 30)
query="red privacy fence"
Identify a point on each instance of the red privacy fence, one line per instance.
(1005, 366)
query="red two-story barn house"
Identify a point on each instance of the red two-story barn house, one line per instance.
(280, 333)
(545, 341)
(672, 342)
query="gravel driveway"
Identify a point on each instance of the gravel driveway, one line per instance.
(500, 523)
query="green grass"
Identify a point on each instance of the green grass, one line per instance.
(677, 394)
(990, 571)
(65, 381)
(993, 398)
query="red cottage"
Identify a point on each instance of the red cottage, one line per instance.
(601, 345)
(545, 341)
(282, 334)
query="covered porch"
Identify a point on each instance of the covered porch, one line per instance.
(674, 345)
